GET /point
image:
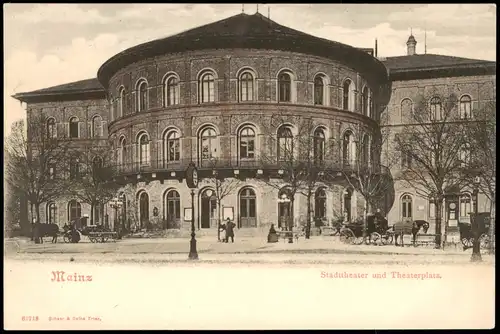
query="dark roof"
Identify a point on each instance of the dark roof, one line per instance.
(411, 39)
(72, 88)
(252, 32)
(429, 61)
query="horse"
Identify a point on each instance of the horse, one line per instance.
(45, 230)
(400, 229)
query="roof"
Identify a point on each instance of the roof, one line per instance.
(411, 39)
(252, 32)
(428, 61)
(77, 87)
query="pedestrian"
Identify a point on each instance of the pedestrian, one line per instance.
(229, 230)
(272, 236)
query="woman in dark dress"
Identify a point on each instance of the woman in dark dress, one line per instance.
(272, 235)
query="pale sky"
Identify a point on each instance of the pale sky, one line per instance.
(51, 44)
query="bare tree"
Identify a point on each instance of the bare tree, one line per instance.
(223, 185)
(299, 153)
(363, 171)
(430, 146)
(36, 159)
(481, 134)
(91, 174)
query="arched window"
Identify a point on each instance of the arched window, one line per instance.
(143, 141)
(285, 143)
(143, 208)
(51, 213)
(122, 152)
(365, 150)
(74, 169)
(465, 107)
(206, 87)
(319, 145)
(320, 204)
(142, 96)
(171, 146)
(464, 155)
(435, 109)
(74, 210)
(171, 91)
(248, 208)
(348, 95)
(365, 101)
(121, 101)
(74, 128)
(465, 205)
(208, 144)
(284, 87)
(319, 89)
(246, 87)
(51, 128)
(349, 148)
(247, 143)
(406, 207)
(406, 108)
(97, 126)
(406, 160)
(173, 209)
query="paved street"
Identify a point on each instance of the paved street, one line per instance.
(250, 249)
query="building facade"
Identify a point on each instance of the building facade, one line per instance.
(215, 101)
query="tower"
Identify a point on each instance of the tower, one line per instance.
(411, 45)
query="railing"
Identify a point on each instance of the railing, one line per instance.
(267, 163)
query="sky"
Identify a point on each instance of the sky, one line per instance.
(51, 44)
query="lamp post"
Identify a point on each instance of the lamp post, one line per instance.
(192, 183)
(284, 199)
(116, 204)
(476, 246)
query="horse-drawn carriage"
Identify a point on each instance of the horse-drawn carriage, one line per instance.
(467, 233)
(377, 231)
(95, 233)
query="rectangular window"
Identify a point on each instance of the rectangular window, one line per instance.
(432, 210)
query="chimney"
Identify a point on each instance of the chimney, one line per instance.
(411, 45)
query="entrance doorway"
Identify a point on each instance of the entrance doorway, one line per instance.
(143, 209)
(208, 209)
(285, 209)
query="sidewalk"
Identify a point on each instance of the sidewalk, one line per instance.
(207, 245)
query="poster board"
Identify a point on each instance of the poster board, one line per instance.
(188, 214)
(228, 212)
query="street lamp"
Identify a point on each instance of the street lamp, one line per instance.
(116, 204)
(284, 199)
(476, 247)
(192, 183)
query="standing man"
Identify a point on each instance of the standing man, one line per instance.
(229, 230)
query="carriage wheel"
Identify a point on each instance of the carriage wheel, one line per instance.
(93, 240)
(484, 241)
(358, 240)
(105, 239)
(375, 238)
(467, 242)
(66, 239)
(387, 239)
(346, 236)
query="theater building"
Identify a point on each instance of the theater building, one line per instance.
(210, 95)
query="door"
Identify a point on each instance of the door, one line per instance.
(208, 209)
(144, 209)
(284, 211)
(248, 216)
(173, 213)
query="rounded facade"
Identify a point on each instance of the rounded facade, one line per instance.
(240, 114)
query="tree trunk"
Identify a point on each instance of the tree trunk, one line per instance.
(290, 220)
(218, 220)
(308, 222)
(365, 216)
(476, 245)
(439, 209)
(92, 214)
(491, 248)
(37, 211)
